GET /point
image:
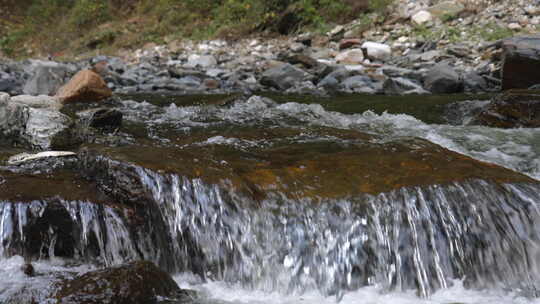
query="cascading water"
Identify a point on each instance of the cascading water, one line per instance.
(418, 238)
(429, 239)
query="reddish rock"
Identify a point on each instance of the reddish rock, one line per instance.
(85, 86)
(211, 84)
(512, 109)
(348, 43)
(521, 67)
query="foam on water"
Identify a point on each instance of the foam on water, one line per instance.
(15, 284)
(221, 293)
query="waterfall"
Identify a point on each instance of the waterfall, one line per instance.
(419, 238)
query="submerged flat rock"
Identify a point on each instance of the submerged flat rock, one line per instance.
(63, 184)
(327, 163)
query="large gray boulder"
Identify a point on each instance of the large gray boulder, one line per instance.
(443, 79)
(284, 76)
(521, 66)
(34, 122)
(47, 78)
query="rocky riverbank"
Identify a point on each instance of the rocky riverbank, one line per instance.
(425, 49)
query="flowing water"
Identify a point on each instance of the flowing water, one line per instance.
(254, 227)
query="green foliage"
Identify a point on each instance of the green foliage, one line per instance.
(379, 5)
(493, 31)
(44, 11)
(89, 12)
(9, 42)
(56, 25)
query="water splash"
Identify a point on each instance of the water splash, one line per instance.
(95, 233)
(419, 238)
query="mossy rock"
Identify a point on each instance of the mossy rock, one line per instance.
(135, 282)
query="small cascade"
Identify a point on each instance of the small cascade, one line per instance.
(412, 238)
(229, 226)
(419, 238)
(78, 229)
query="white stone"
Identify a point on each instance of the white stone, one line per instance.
(297, 47)
(532, 10)
(514, 26)
(352, 56)
(354, 67)
(422, 17)
(38, 102)
(25, 157)
(403, 39)
(202, 60)
(377, 51)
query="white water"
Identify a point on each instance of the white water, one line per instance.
(219, 292)
(518, 149)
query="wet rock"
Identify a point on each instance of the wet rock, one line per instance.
(284, 76)
(35, 122)
(329, 83)
(318, 168)
(521, 65)
(28, 269)
(473, 82)
(352, 56)
(8, 84)
(512, 109)
(392, 71)
(377, 51)
(360, 84)
(443, 79)
(305, 88)
(135, 282)
(102, 118)
(85, 86)
(47, 77)
(402, 86)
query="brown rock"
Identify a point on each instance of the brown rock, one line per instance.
(136, 282)
(348, 43)
(85, 86)
(310, 170)
(211, 84)
(512, 109)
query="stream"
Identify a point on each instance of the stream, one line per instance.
(277, 200)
